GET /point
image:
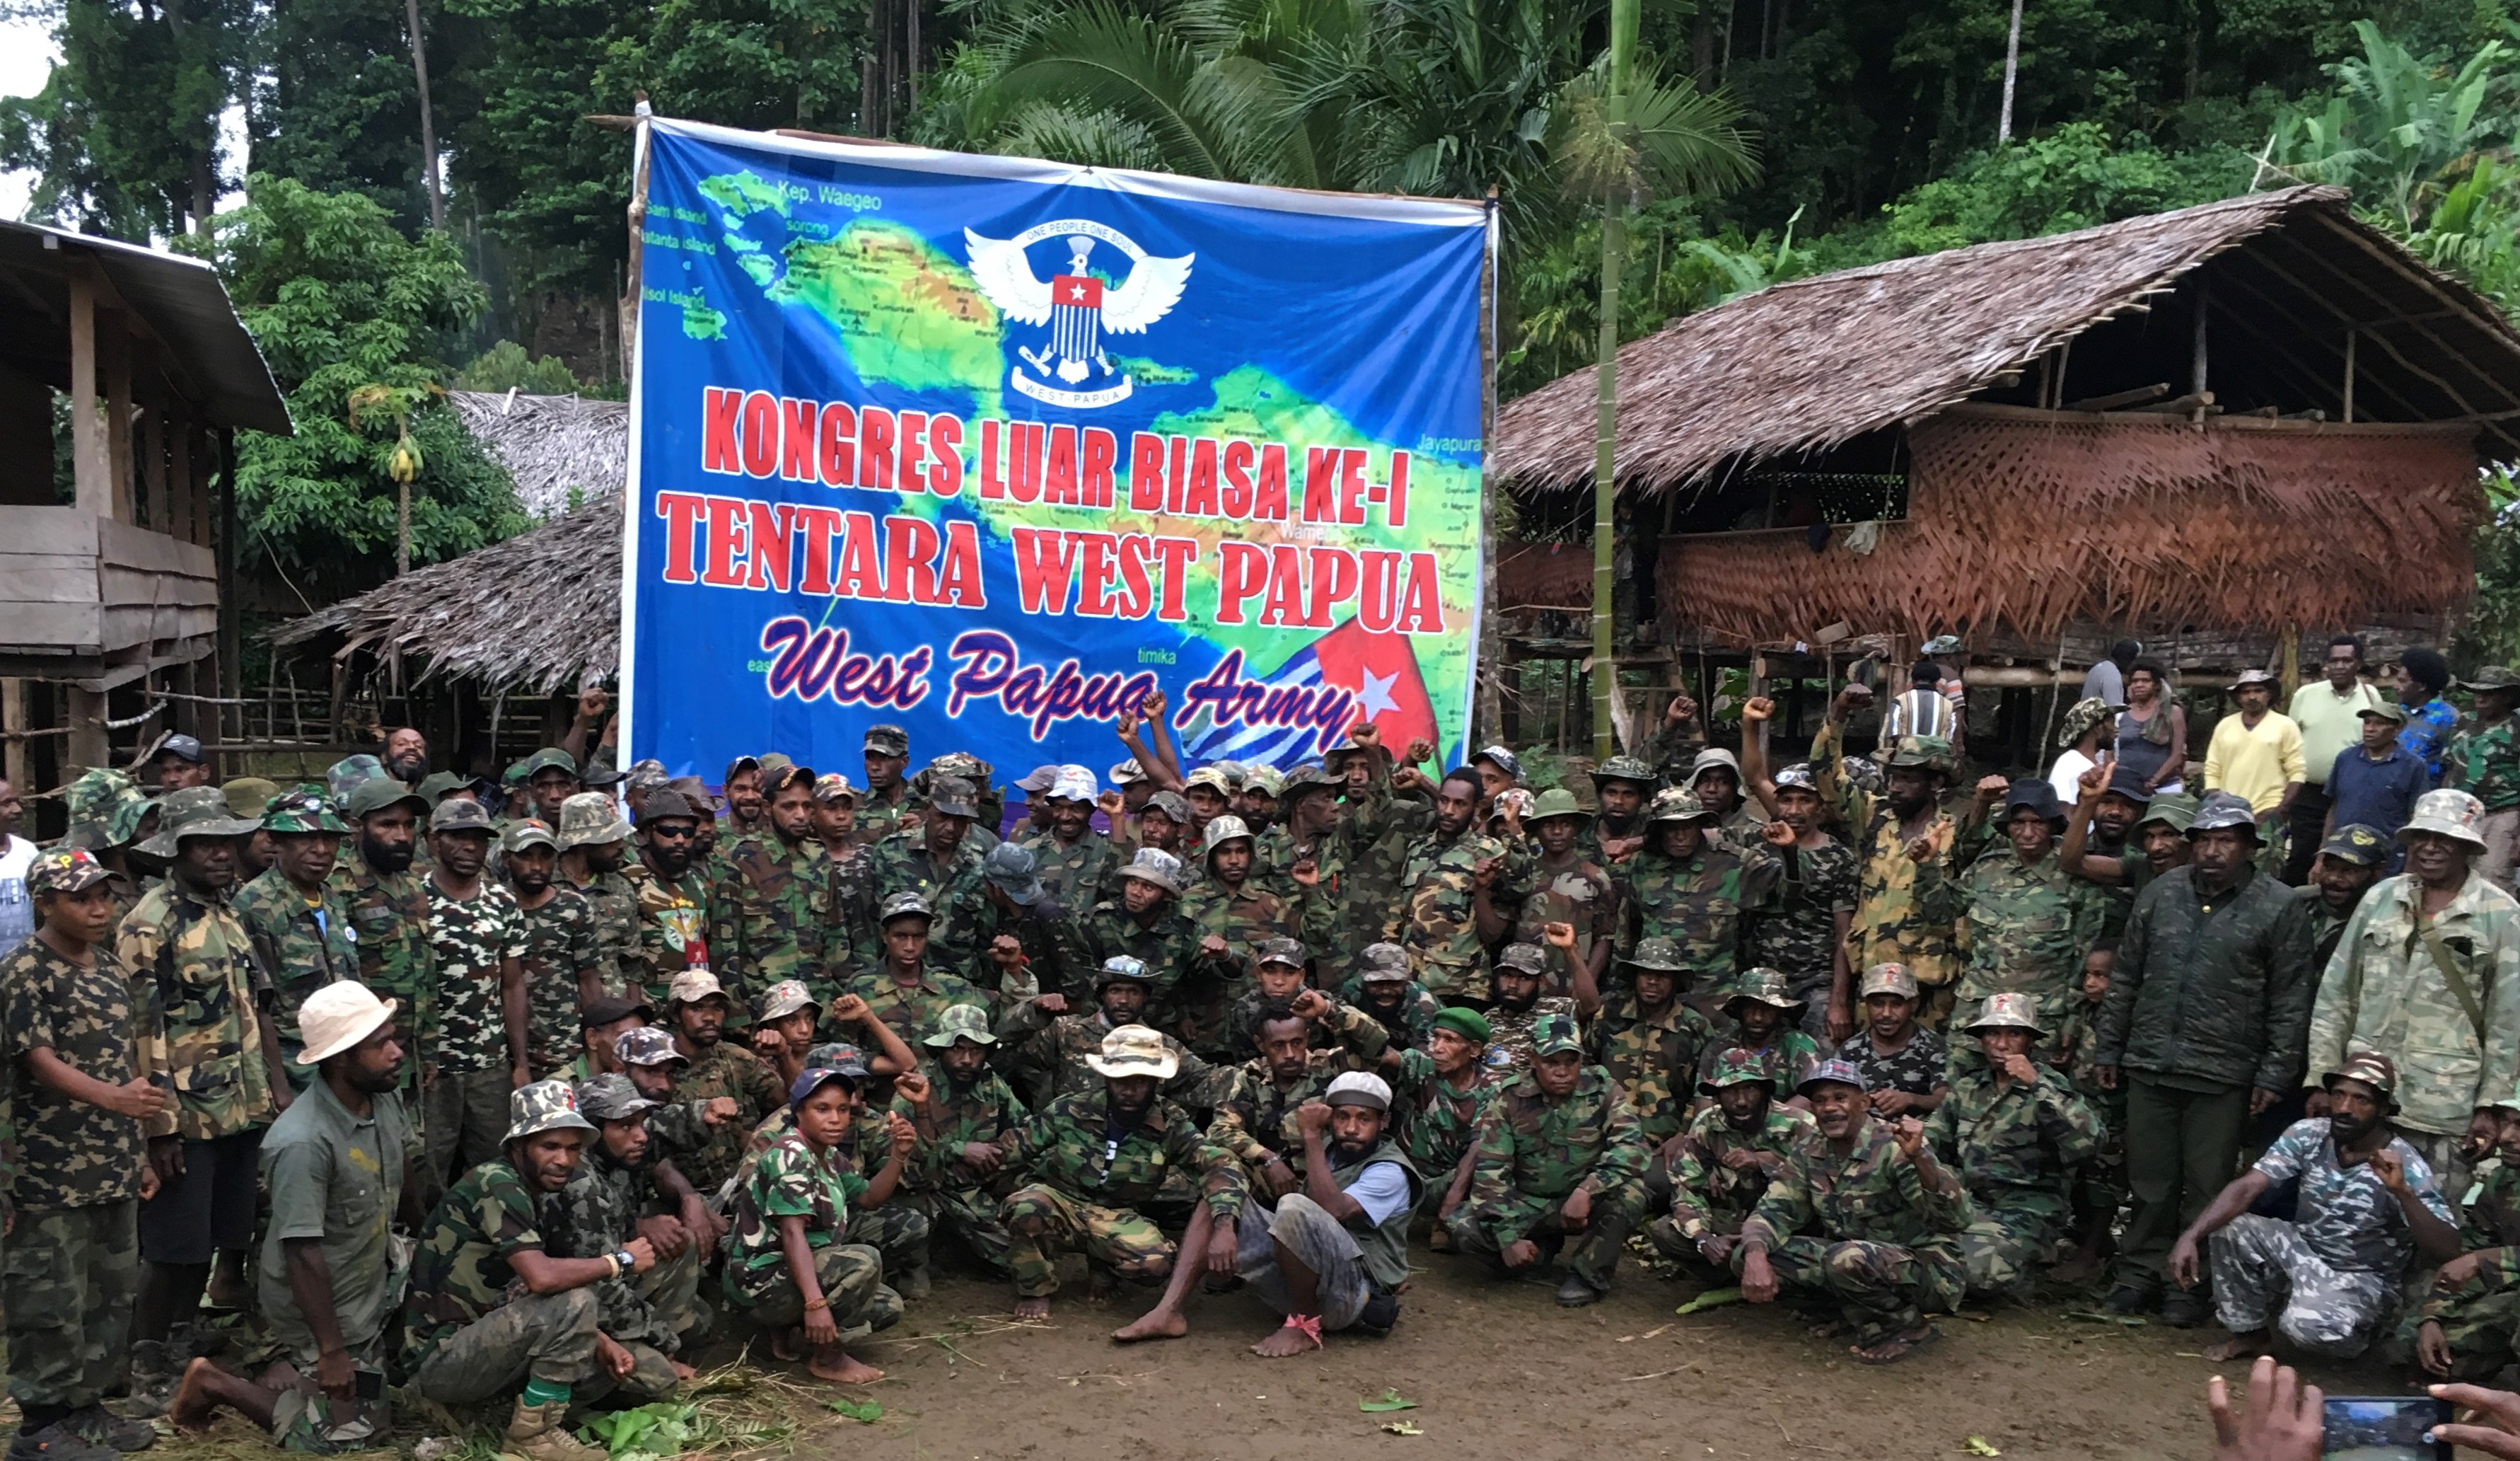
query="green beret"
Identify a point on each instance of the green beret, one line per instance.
(1470, 1024)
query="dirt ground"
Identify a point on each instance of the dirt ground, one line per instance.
(1499, 1370)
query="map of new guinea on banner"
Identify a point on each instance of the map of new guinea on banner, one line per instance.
(991, 447)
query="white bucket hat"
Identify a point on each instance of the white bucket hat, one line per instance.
(338, 1016)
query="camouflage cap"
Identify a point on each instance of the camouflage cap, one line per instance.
(611, 1098)
(1798, 777)
(1889, 979)
(1014, 871)
(1503, 758)
(1308, 777)
(908, 903)
(645, 775)
(1676, 804)
(1662, 955)
(247, 795)
(348, 774)
(2369, 1067)
(1233, 771)
(1157, 866)
(1222, 830)
(1933, 753)
(195, 811)
(1556, 801)
(2008, 1012)
(1122, 967)
(1524, 958)
(647, 1045)
(2176, 810)
(1739, 1067)
(692, 985)
(1554, 1033)
(1762, 986)
(784, 998)
(437, 785)
(303, 810)
(1266, 780)
(961, 764)
(1212, 777)
(1382, 964)
(1134, 1050)
(2450, 813)
(64, 870)
(2493, 677)
(1625, 768)
(2253, 676)
(2221, 810)
(590, 819)
(1832, 1073)
(2088, 711)
(375, 794)
(2356, 844)
(837, 1055)
(952, 797)
(1172, 805)
(959, 1022)
(523, 833)
(1285, 951)
(549, 758)
(544, 1106)
(462, 814)
(1074, 783)
(886, 739)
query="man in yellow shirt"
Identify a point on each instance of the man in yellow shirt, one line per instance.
(2256, 754)
(2330, 712)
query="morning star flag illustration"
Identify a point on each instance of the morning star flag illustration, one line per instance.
(991, 447)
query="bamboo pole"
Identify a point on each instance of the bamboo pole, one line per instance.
(1615, 253)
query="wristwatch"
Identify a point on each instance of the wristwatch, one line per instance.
(628, 1260)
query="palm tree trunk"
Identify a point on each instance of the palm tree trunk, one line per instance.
(1614, 257)
(428, 119)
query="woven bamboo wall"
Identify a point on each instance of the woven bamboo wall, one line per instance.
(2025, 520)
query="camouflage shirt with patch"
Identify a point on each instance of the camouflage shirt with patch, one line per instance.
(1073, 872)
(673, 928)
(1535, 1149)
(726, 1069)
(1436, 917)
(70, 1154)
(1891, 924)
(559, 941)
(193, 956)
(1694, 902)
(791, 1179)
(1653, 1058)
(954, 1117)
(769, 912)
(390, 922)
(1577, 892)
(303, 944)
(1069, 1147)
(1708, 1196)
(471, 940)
(954, 886)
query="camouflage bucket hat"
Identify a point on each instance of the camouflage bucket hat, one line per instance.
(907, 903)
(301, 811)
(2219, 810)
(1121, 967)
(590, 819)
(2449, 813)
(832, 787)
(1800, 776)
(1555, 802)
(2354, 843)
(1933, 753)
(1765, 987)
(1212, 777)
(1286, 951)
(2372, 1069)
(2008, 1012)
(1554, 1033)
(1222, 830)
(647, 1045)
(1134, 1050)
(1306, 778)
(1016, 872)
(1501, 759)
(544, 1106)
(1889, 979)
(1832, 1073)
(1383, 963)
(2493, 677)
(1676, 804)
(784, 998)
(526, 832)
(349, 773)
(1172, 804)
(64, 870)
(1738, 1066)
(195, 811)
(611, 1098)
(1625, 768)
(959, 1022)
(2085, 713)
(1265, 780)
(1659, 954)
(1157, 866)
(93, 797)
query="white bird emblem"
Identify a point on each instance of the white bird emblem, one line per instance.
(1076, 305)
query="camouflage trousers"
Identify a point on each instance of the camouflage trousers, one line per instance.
(2264, 1271)
(69, 1277)
(1597, 1244)
(546, 1336)
(898, 1233)
(2481, 1320)
(1881, 1289)
(1043, 1223)
(970, 1213)
(851, 1277)
(2005, 1247)
(672, 1289)
(305, 1419)
(464, 1113)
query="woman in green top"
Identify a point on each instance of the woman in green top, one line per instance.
(787, 1265)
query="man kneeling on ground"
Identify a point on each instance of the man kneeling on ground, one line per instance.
(1332, 1256)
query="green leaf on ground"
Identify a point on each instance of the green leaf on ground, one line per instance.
(1711, 1299)
(863, 1412)
(1390, 1399)
(1979, 1445)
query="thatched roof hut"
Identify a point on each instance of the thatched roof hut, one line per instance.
(561, 449)
(2255, 415)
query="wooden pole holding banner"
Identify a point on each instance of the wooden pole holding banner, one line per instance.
(1488, 674)
(638, 216)
(633, 292)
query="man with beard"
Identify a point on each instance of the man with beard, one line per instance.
(941, 861)
(1444, 1095)
(2327, 1280)
(1905, 1066)
(1864, 1218)
(1254, 1119)
(388, 907)
(1514, 1016)
(184, 942)
(1621, 787)
(957, 1173)
(672, 896)
(1559, 1161)
(1902, 843)
(2022, 923)
(1258, 801)
(1235, 916)
(556, 949)
(771, 908)
(2350, 863)
(337, 1172)
(887, 750)
(695, 1017)
(2427, 973)
(594, 841)
(1307, 829)
(296, 915)
(1684, 888)
(489, 1304)
(1455, 896)
(1646, 1037)
(2204, 1024)
(619, 1174)
(1799, 922)
(1094, 1159)
(1567, 890)
(476, 943)
(2151, 834)
(1331, 1256)
(2015, 1131)
(1278, 976)
(1716, 1172)
(1056, 1056)
(1146, 923)
(406, 755)
(1071, 857)
(1383, 988)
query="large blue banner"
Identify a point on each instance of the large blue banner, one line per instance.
(990, 448)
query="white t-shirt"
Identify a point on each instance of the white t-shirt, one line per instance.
(2066, 776)
(17, 909)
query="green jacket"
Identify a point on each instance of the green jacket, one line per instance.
(2207, 996)
(2016, 1147)
(1534, 1151)
(1061, 1148)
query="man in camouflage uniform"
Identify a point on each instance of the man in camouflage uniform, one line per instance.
(1718, 1169)
(855, 942)
(942, 860)
(1146, 924)
(1519, 1007)
(186, 950)
(476, 943)
(558, 952)
(550, 778)
(2484, 762)
(1903, 840)
(771, 908)
(2015, 1131)
(1383, 815)
(1905, 1067)
(1621, 788)
(1277, 978)
(473, 1325)
(1762, 1018)
(593, 840)
(388, 905)
(1683, 888)
(2020, 920)
(74, 1043)
(1255, 1118)
(1441, 1095)
(2349, 865)
(1566, 889)
(1383, 988)
(907, 991)
(1646, 1037)
(1863, 1216)
(2469, 1320)
(1056, 1055)
(696, 1013)
(1234, 913)
(1460, 888)
(1560, 1159)
(107, 813)
(1072, 857)
(672, 896)
(599, 1210)
(1799, 923)
(957, 1174)
(296, 915)
(1312, 832)
(1094, 1158)
(887, 795)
